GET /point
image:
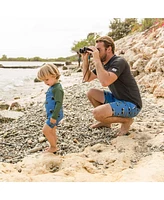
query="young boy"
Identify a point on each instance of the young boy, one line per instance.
(50, 74)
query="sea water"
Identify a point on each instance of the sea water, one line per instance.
(14, 82)
(19, 82)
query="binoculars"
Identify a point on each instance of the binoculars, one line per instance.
(84, 50)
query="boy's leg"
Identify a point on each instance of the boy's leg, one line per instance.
(50, 134)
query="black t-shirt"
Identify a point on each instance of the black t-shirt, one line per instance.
(125, 87)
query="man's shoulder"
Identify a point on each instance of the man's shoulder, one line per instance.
(119, 60)
(114, 60)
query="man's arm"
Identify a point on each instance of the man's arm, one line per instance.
(88, 75)
(106, 78)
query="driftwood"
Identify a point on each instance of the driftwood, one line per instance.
(35, 149)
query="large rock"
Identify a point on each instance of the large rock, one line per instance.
(8, 114)
(159, 90)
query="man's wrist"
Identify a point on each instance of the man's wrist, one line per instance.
(97, 63)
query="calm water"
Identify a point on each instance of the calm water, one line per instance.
(21, 63)
(14, 82)
(20, 82)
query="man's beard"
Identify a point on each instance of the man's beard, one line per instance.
(103, 59)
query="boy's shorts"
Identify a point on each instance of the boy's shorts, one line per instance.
(60, 117)
(121, 108)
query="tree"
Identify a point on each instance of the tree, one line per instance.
(89, 41)
(129, 24)
(4, 57)
(120, 29)
(36, 58)
(116, 29)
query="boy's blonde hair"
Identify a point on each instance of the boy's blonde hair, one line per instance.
(47, 70)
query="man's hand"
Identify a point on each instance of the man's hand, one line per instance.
(94, 52)
(85, 56)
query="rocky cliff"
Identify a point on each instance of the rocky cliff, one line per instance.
(144, 51)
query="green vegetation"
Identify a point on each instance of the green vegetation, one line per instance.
(117, 29)
(151, 22)
(36, 58)
(120, 29)
(89, 41)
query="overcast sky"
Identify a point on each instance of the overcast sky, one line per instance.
(49, 28)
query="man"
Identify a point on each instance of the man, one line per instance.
(123, 101)
(79, 58)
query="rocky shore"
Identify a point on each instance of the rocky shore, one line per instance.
(89, 154)
(22, 141)
(24, 136)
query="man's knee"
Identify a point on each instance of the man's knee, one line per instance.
(90, 93)
(97, 114)
(100, 113)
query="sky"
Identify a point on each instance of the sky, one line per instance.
(48, 29)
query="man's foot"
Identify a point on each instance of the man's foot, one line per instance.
(125, 127)
(100, 124)
(51, 150)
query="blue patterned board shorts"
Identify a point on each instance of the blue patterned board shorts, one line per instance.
(60, 117)
(121, 108)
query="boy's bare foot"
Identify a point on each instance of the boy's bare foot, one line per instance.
(100, 124)
(125, 127)
(51, 150)
(46, 148)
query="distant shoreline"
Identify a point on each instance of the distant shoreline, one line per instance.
(31, 67)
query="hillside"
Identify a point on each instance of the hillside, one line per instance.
(145, 53)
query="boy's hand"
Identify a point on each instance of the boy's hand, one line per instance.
(53, 121)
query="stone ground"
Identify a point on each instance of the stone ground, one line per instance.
(24, 136)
